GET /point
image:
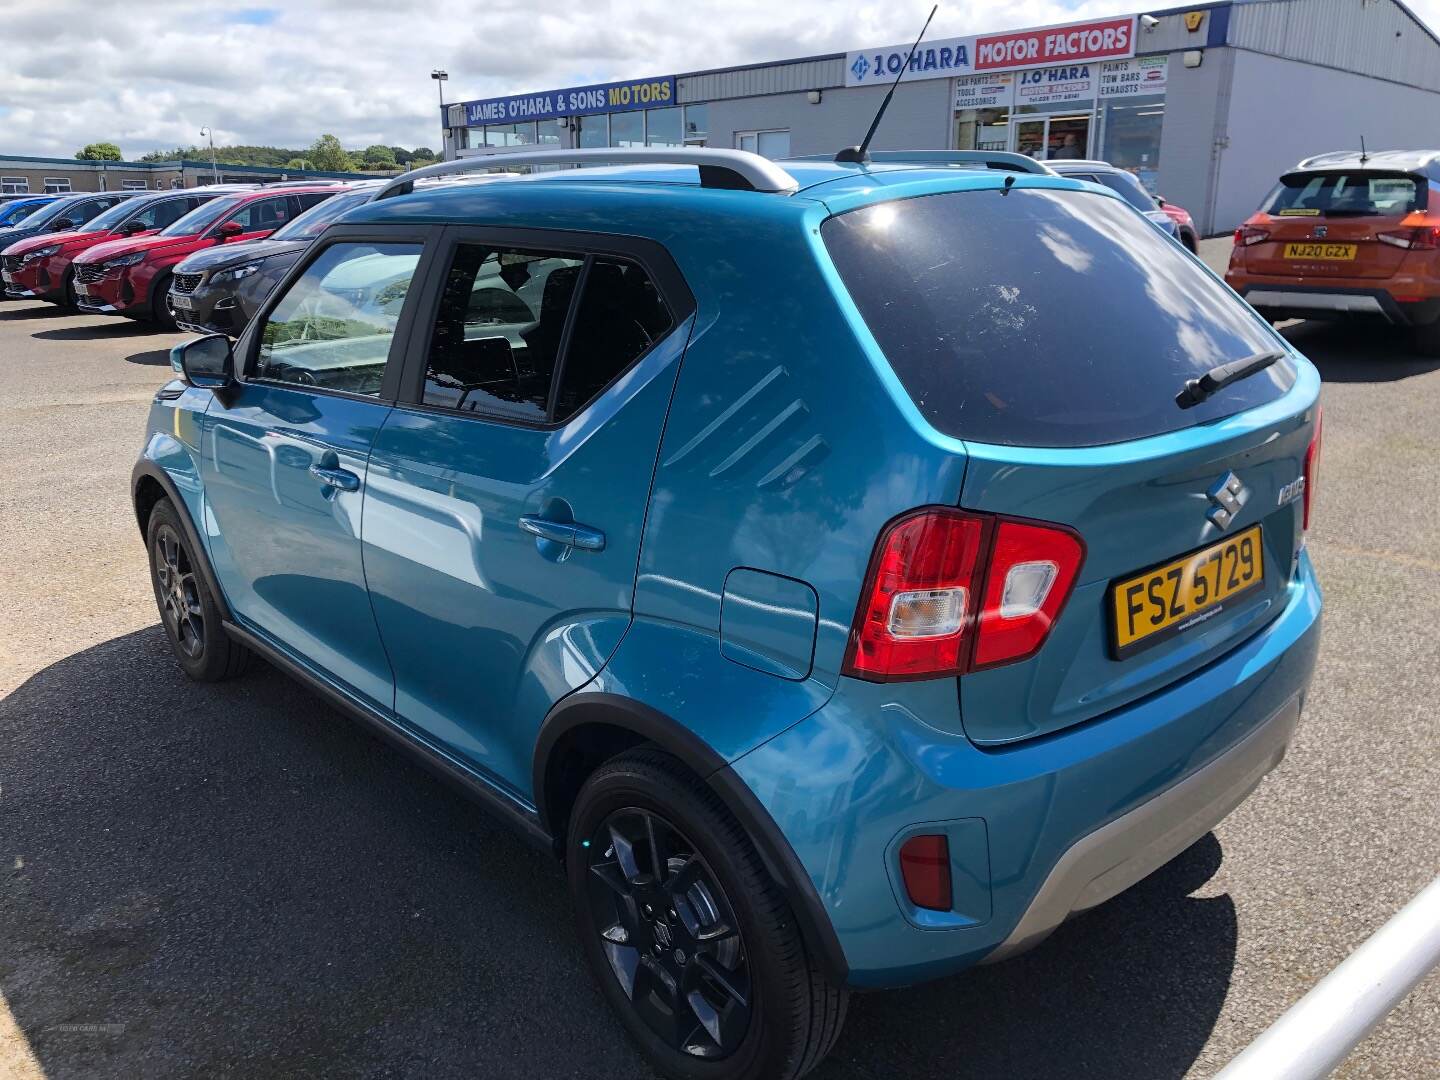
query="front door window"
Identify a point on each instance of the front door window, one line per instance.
(1052, 138)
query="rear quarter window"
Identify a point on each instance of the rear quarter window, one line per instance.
(1045, 317)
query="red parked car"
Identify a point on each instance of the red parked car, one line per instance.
(41, 268)
(132, 277)
(1184, 223)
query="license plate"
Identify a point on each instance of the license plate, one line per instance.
(1171, 598)
(181, 303)
(81, 289)
(1335, 252)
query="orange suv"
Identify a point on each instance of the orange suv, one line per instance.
(1345, 234)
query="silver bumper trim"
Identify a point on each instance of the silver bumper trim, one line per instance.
(1350, 303)
(1115, 856)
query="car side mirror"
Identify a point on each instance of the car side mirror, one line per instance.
(130, 228)
(1159, 200)
(229, 229)
(62, 225)
(206, 363)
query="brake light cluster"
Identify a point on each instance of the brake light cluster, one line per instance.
(1423, 237)
(1246, 235)
(951, 591)
(1312, 467)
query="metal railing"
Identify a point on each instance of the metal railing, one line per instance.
(1318, 1032)
(718, 168)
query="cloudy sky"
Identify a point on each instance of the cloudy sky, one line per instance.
(149, 74)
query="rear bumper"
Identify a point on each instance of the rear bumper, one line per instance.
(1037, 830)
(1115, 856)
(1320, 301)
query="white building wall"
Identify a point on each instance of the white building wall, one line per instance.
(919, 118)
(1281, 111)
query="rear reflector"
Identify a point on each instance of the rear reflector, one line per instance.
(1312, 467)
(925, 866)
(949, 591)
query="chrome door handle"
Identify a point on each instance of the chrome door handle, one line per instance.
(343, 479)
(569, 533)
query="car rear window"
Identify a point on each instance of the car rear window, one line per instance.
(1041, 317)
(1346, 194)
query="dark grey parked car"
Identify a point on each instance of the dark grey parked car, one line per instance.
(217, 290)
(1130, 189)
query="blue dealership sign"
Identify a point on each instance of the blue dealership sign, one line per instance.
(575, 101)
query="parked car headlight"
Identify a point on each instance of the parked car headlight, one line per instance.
(41, 253)
(123, 260)
(235, 273)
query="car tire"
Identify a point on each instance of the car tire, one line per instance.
(188, 611)
(1426, 337)
(726, 990)
(68, 299)
(160, 311)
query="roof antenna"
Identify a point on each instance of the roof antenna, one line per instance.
(858, 155)
(1364, 157)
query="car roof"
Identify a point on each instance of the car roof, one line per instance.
(1086, 166)
(1424, 162)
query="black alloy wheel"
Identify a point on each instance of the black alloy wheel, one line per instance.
(669, 933)
(192, 619)
(179, 593)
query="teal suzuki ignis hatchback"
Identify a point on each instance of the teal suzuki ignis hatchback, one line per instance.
(849, 570)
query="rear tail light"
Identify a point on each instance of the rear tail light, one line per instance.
(1312, 467)
(1425, 237)
(925, 866)
(950, 591)
(1249, 234)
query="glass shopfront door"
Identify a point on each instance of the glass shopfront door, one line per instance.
(1057, 137)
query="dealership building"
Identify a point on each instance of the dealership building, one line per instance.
(1206, 104)
(25, 174)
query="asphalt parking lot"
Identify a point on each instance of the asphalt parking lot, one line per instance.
(235, 881)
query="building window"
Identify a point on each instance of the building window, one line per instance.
(697, 124)
(982, 129)
(627, 128)
(508, 135)
(594, 131)
(770, 144)
(14, 185)
(663, 127)
(132, 185)
(1131, 136)
(547, 133)
(57, 185)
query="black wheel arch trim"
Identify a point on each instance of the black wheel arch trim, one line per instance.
(147, 469)
(653, 726)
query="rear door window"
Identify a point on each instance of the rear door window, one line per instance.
(512, 341)
(264, 214)
(1346, 194)
(1041, 317)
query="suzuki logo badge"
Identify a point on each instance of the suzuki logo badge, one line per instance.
(1226, 498)
(1321, 231)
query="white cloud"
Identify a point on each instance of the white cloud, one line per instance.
(149, 74)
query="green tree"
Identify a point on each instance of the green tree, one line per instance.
(328, 155)
(423, 152)
(378, 157)
(402, 156)
(99, 151)
(300, 163)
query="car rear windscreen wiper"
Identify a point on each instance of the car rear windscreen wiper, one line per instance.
(1217, 378)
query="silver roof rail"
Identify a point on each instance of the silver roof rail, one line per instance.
(736, 169)
(987, 159)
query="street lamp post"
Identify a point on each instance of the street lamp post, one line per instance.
(440, 75)
(214, 169)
